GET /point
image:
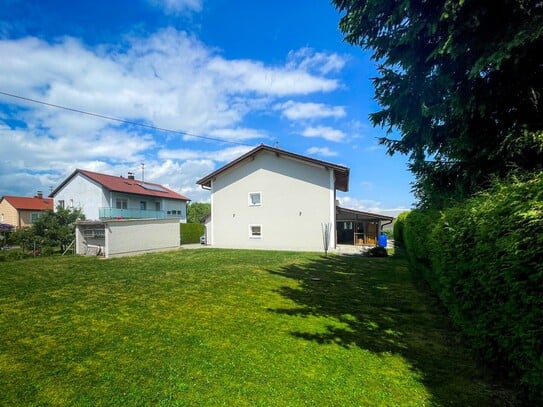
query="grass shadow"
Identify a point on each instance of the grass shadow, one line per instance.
(381, 308)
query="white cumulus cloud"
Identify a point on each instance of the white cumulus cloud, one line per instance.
(177, 6)
(322, 151)
(169, 79)
(299, 111)
(325, 132)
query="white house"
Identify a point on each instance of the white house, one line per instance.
(102, 196)
(274, 199)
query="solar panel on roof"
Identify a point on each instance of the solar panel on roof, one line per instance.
(152, 187)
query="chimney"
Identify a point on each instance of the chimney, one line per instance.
(39, 195)
(131, 175)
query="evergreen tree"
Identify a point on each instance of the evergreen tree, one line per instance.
(461, 81)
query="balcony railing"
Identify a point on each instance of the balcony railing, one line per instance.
(114, 213)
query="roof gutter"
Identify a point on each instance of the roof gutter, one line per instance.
(386, 224)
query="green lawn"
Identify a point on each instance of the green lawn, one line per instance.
(229, 327)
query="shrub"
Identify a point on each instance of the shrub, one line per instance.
(484, 259)
(399, 227)
(416, 234)
(191, 232)
(377, 251)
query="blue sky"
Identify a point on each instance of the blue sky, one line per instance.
(240, 73)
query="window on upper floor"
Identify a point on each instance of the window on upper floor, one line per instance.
(61, 203)
(121, 203)
(34, 216)
(255, 198)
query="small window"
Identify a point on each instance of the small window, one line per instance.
(143, 205)
(157, 206)
(348, 225)
(61, 203)
(99, 233)
(255, 198)
(121, 203)
(34, 216)
(255, 231)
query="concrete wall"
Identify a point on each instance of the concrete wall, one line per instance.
(297, 198)
(128, 237)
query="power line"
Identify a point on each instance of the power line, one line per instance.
(116, 119)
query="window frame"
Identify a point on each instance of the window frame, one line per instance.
(121, 203)
(251, 234)
(250, 201)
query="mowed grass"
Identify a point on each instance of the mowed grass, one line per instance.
(228, 327)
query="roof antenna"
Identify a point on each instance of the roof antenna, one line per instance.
(142, 172)
(277, 144)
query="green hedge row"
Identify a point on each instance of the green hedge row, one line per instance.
(191, 232)
(399, 223)
(484, 259)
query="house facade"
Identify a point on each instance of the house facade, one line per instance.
(101, 196)
(20, 212)
(273, 199)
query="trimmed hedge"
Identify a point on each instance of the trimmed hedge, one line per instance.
(484, 259)
(191, 232)
(399, 223)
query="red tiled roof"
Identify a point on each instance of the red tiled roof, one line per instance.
(30, 204)
(129, 186)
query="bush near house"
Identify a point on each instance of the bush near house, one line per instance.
(399, 223)
(191, 232)
(484, 259)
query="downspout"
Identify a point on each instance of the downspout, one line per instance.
(333, 236)
(385, 224)
(212, 222)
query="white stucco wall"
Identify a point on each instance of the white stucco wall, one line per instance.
(296, 200)
(129, 237)
(85, 194)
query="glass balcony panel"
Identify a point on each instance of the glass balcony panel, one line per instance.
(114, 213)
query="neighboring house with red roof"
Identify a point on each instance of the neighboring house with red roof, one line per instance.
(20, 211)
(101, 196)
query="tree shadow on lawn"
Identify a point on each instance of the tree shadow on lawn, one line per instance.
(381, 308)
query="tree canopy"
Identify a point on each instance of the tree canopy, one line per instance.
(51, 229)
(460, 81)
(196, 211)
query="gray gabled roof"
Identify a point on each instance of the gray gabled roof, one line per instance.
(341, 173)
